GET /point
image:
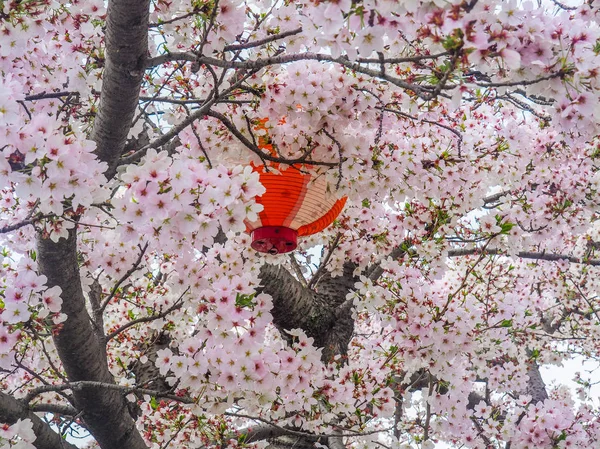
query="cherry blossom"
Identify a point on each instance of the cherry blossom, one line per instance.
(465, 138)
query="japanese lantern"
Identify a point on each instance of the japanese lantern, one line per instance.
(295, 203)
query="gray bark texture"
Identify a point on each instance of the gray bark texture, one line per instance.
(81, 347)
(82, 351)
(323, 313)
(11, 410)
(126, 54)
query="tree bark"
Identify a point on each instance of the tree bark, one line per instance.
(81, 349)
(126, 54)
(11, 410)
(323, 314)
(80, 346)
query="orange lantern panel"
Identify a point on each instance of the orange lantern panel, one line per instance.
(295, 204)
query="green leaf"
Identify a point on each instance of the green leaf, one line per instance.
(506, 227)
(245, 301)
(506, 323)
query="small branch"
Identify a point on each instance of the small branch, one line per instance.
(175, 19)
(315, 278)
(47, 95)
(182, 101)
(431, 122)
(263, 155)
(177, 305)
(525, 107)
(80, 385)
(523, 255)
(563, 6)
(558, 74)
(401, 60)
(56, 409)
(260, 63)
(491, 201)
(266, 40)
(175, 130)
(341, 159)
(19, 225)
(300, 433)
(124, 277)
(297, 269)
(376, 271)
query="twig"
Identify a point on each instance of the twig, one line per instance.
(263, 155)
(176, 305)
(523, 255)
(182, 101)
(524, 82)
(315, 278)
(431, 122)
(174, 19)
(341, 159)
(19, 225)
(80, 385)
(257, 64)
(297, 270)
(266, 40)
(175, 130)
(124, 277)
(47, 95)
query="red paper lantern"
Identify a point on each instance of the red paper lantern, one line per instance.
(295, 204)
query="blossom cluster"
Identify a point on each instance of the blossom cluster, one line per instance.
(20, 435)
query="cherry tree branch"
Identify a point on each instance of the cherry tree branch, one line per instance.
(49, 95)
(55, 409)
(266, 40)
(80, 348)
(558, 74)
(173, 20)
(191, 118)
(125, 276)
(104, 388)
(315, 278)
(177, 305)
(523, 255)
(257, 64)
(262, 154)
(21, 224)
(11, 410)
(126, 51)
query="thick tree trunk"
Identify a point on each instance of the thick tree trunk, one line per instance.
(11, 410)
(324, 314)
(126, 54)
(80, 346)
(81, 349)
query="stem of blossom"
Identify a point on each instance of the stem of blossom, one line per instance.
(315, 278)
(523, 255)
(123, 278)
(11, 410)
(177, 305)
